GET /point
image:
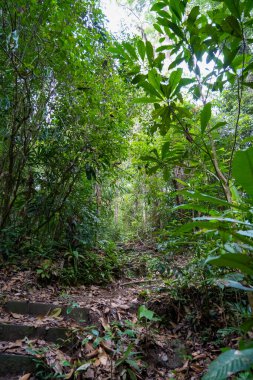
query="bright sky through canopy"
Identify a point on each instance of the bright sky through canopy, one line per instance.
(115, 15)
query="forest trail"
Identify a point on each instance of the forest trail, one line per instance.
(33, 318)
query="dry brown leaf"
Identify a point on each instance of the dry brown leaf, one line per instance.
(89, 374)
(92, 354)
(16, 315)
(196, 368)
(25, 377)
(97, 363)
(184, 368)
(70, 374)
(124, 307)
(103, 322)
(107, 347)
(200, 356)
(103, 358)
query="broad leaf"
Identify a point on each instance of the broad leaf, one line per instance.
(238, 261)
(146, 313)
(244, 159)
(228, 363)
(234, 284)
(205, 116)
(175, 77)
(150, 52)
(141, 49)
(234, 7)
(146, 100)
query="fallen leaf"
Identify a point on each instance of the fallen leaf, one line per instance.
(16, 316)
(55, 312)
(25, 377)
(70, 374)
(92, 354)
(84, 367)
(89, 374)
(124, 307)
(103, 357)
(103, 322)
(184, 368)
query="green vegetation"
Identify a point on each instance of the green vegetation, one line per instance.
(146, 139)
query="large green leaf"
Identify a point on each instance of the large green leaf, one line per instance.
(175, 77)
(205, 116)
(234, 284)
(228, 220)
(208, 198)
(150, 52)
(131, 50)
(242, 169)
(145, 100)
(154, 79)
(146, 313)
(141, 49)
(228, 363)
(234, 261)
(158, 6)
(234, 7)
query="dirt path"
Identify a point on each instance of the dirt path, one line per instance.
(168, 350)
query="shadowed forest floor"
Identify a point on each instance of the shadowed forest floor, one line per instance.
(179, 335)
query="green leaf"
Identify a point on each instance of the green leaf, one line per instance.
(131, 374)
(232, 26)
(242, 169)
(150, 52)
(141, 49)
(150, 90)
(154, 79)
(163, 47)
(193, 15)
(165, 148)
(158, 6)
(228, 363)
(133, 364)
(205, 197)
(146, 100)
(176, 62)
(218, 125)
(234, 261)
(171, 28)
(158, 28)
(227, 220)
(146, 313)
(175, 77)
(234, 284)
(199, 224)
(248, 84)
(234, 7)
(205, 116)
(130, 49)
(248, 233)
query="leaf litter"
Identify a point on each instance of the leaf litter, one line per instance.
(173, 349)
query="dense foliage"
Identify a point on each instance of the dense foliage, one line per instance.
(63, 125)
(146, 139)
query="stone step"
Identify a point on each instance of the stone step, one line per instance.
(32, 308)
(12, 332)
(15, 364)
